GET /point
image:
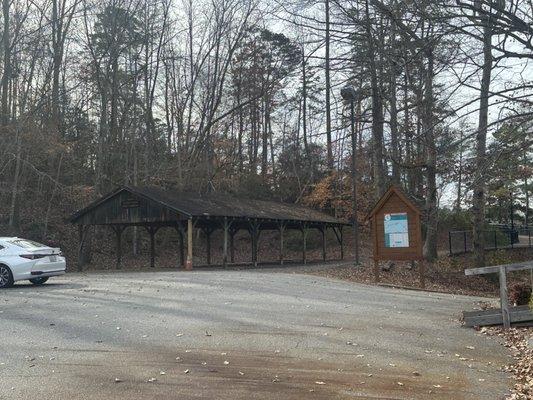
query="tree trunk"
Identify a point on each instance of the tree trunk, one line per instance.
(430, 244)
(7, 63)
(377, 115)
(304, 105)
(328, 92)
(56, 67)
(478, 201)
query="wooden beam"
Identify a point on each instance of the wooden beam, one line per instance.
(496, 268)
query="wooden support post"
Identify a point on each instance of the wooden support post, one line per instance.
(254, 233)
(118, 231)
(422, 271)
(152, 231)
(208, 232)
(341, 242)
(225, 245)
(252, 237)
(304, 242)
(504, 300)
(188, 265)
(323, 232)
(81, 239)
(376, 271)
(232, 245)
(281, 249)
(181, 230)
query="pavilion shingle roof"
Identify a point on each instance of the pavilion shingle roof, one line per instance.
(223, 205)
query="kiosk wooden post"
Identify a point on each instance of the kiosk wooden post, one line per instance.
(396, 233)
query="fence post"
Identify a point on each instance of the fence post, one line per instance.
(504, 300)
(450, 241)
(511, 238)
(495, 241)
(464, 240)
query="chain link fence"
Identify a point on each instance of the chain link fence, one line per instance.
(460, 242)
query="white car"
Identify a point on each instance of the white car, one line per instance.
(22, 259)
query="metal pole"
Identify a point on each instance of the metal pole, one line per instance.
(464, 239)
(495, 241)
(450, 241)
(354, 184)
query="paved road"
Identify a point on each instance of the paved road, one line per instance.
(239, 335)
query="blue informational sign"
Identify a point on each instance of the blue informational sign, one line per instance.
(396, 230)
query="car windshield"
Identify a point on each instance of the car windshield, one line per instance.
(26, 244)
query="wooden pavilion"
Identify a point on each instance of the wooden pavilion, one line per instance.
(155, 208)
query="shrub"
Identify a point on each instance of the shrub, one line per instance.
(520, 294)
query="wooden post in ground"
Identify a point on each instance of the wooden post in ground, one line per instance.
(81, 238)
(304, 240)
(225, 245)
(323, 232)
(376, 271)
(152, 231)
(254, 234)
(252, 237)
(188, 264)
(281, 250)
(208, 232)
(422, 271)
(118, 231)
(232, 245)
(341, 241)
(504, 300)
(180, 229)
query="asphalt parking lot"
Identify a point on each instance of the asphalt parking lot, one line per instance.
(239, 335)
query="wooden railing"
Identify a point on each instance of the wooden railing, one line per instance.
(506, 311)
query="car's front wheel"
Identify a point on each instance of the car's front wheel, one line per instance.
(38, 281)
(6, 277)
